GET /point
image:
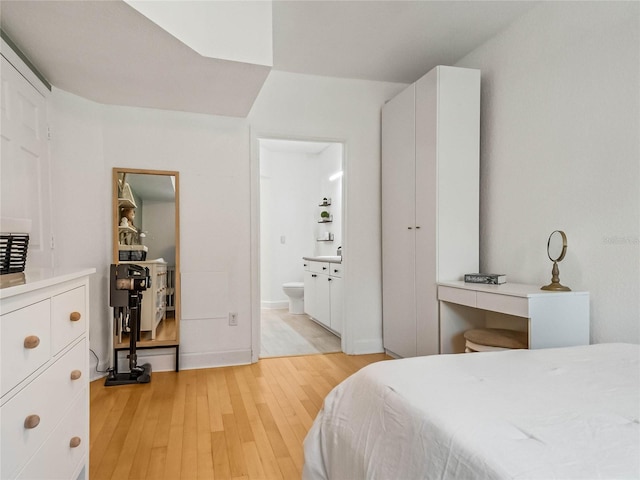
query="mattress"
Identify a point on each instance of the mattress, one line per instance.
(553, 413)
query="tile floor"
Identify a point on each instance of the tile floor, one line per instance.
(285, 334)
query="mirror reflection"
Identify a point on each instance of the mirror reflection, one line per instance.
(146, 232)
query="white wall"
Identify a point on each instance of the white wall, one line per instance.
(292, 185)
(81, 197)
(321, 108)
(212, 156)
(159, 224)
(559, 150)
(330, 162)
(288, 199)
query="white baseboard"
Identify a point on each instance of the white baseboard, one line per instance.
(165, 360)
(190, 361)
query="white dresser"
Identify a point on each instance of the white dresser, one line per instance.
(44, 382)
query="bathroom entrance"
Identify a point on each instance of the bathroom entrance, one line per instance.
(300, 217)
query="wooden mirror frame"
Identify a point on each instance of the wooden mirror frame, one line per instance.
(117, 171)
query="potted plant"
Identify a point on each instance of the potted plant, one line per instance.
(324, 215)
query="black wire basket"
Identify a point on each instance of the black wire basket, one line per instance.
(13, 252)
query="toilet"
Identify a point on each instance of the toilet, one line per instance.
(295, 292)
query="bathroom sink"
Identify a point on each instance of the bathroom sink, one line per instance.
(325, 258)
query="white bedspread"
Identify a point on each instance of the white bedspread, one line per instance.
(556, 413)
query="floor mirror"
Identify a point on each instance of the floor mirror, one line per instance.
(146, 232)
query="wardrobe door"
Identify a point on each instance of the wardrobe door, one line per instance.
(427, 318)
(398, 224)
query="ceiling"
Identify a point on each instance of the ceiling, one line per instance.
(108, 52)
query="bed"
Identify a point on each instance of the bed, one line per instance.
(553, 413)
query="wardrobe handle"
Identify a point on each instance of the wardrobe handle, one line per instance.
(324, 268)
(75, 316)
(75, 374)
(75, 442)
(314, 275)
(32, 341)
(409, 228)
(32, 421)
(329, 279)
(417, 227)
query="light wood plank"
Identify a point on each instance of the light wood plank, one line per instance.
(244, 422)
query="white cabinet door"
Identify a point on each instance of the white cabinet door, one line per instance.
(316, 297)
(323, 311)
(310, 293)
(335, 287)
(398, 224)
(24, 162)
(430, 186)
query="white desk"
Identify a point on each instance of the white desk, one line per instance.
(552, 319)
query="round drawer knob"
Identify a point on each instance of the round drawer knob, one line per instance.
(32, 421)
(75, 316)
(75, 374)
(75, 442)
(32, 341)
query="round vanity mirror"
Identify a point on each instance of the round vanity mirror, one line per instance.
(556, 250)
(557, 246)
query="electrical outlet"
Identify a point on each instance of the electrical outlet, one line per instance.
(233, 319)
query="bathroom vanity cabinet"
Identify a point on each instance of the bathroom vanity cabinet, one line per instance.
(323, 293)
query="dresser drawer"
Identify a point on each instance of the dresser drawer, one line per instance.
(68, 317)
(25, 341)
(62, 453)
(47, 397)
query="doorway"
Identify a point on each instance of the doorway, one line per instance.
(297, 180)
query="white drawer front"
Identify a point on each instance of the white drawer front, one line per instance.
(21, 330)
(61, 454)
(335, 269)
(319, 267)
(48, 396)
(68, 317)
(508, 304)
(457, 295)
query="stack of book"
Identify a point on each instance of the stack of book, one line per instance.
(486, 278)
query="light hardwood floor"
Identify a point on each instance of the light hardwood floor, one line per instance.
(283, 333)
(244, 422)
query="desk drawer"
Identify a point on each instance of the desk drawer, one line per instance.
(26, 342)
(457, 295)
(47, 397)
(518, 306)
(68, 317)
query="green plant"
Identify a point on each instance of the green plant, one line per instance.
(324, 214)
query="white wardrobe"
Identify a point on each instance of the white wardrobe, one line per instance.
(430, 202)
